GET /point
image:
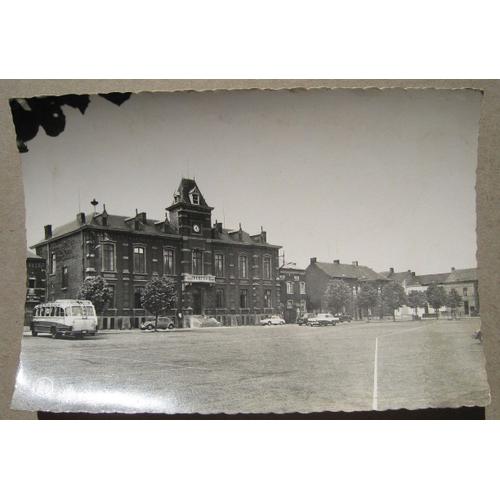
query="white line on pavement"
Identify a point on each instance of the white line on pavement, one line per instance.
(375, 375)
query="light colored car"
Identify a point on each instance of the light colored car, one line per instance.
(272, 320)
(323, 319)
(164, 323)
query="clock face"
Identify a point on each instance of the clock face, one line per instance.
(196, 228)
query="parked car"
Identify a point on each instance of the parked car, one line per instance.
(164, 323)
(302, 320)
(272, 320)
(344, 318)
(323, 319)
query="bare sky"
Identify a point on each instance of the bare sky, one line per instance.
(383, 177)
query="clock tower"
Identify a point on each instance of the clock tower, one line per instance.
(189, 212)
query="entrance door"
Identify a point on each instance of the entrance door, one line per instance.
(466, 307)
(197, 301)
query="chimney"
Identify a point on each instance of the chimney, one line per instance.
(413, 274)
(355, 263)
(391, 270)
(104, 215)
(409, 271)
(48, 231)
(313, 260)
(142, 217)
(336, 261)
(240, 233)
(80, 218)
(452, 268)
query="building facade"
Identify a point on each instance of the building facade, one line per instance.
(293, 293)
(464, 281)
(320, 274)
(219, 272)
(35, 284)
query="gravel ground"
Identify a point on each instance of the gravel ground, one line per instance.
(356, 366)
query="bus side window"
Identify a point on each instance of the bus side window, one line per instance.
(68, 311)
(48, 311)
(61, 311)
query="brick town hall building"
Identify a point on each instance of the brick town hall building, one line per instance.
(228, 274)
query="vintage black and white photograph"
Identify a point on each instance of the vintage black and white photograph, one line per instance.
(250, 251)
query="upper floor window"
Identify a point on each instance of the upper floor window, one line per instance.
(52, 266)
(168, 261)
(302, 288)
(465, 291)
(108, 257)
(197, 262)
(139, 260)
(243, 266)
(31, 283)
(195, 198)
(219, 265)
(289, 287)
(64, 280)
(267, 268)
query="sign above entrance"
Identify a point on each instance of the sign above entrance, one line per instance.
(199, 278)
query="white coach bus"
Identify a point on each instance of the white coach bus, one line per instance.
(64, 317)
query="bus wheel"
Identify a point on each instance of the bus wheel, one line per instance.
(53, 333)
(34, 333)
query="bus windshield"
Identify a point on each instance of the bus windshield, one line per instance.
(74, 311)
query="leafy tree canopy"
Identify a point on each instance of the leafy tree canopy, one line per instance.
(368, 296)
(96, 290)
(158, 295)
(416, 299)
(436, 296)
(337, 295)
(453, 300)
(393, 296)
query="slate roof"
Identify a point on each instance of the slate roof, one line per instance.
(462, 275)
(428, 279)
(32, 255)
(185, 187)
(151, 227)
(405, 277)
(362, 273)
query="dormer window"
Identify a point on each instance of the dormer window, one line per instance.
(195, 198)
(177, 198)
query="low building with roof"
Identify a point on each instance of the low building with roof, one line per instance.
(293, 292)
(35, 284)
(225, 273)
(320, 274)
(464, 281)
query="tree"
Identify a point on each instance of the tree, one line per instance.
(436, 297)
(337, 295)
(367, 297)
(417, 299)
(453, 301)
(96, 290)
(158, 295)
(393, 297)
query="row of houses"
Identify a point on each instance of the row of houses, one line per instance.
(228, 274)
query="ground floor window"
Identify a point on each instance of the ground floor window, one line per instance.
(267, 299)
(219, 298)
(137, 297)
(243, 298)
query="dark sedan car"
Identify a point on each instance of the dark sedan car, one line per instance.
(344, 318)
(302, 320)
(164, 323)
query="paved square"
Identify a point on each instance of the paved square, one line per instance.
(356, 366)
